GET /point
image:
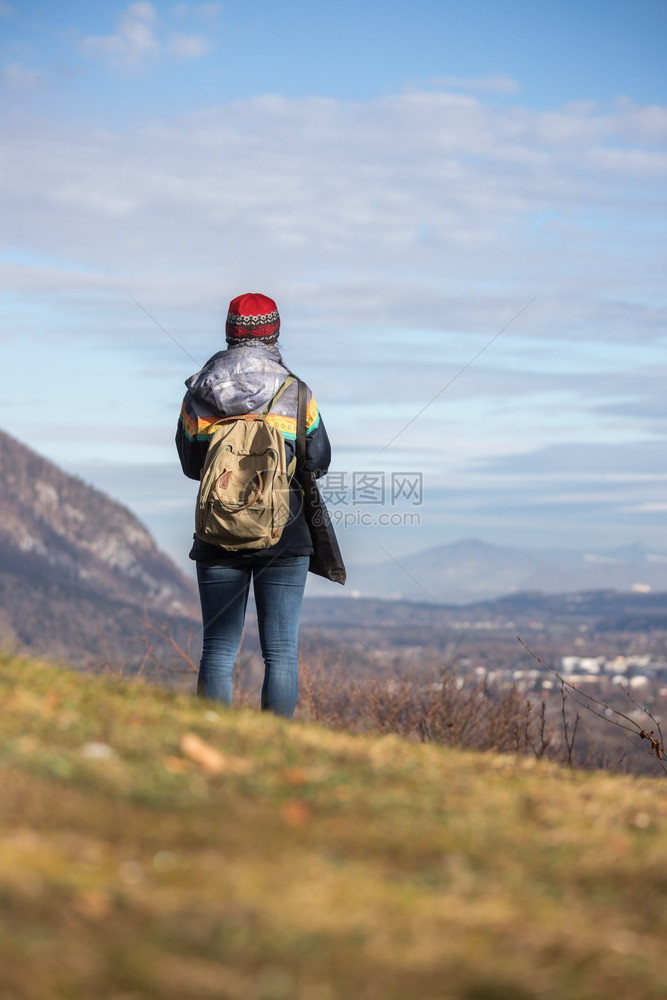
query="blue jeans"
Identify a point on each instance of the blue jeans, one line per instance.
(223, 592)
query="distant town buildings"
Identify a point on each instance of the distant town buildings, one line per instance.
(635, 671)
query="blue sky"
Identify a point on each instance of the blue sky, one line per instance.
(403, 179)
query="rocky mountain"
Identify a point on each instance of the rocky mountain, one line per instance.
(471, 570)
(77, 569)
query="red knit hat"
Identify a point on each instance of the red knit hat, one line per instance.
(252, 317)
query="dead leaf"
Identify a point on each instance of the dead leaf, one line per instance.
(296, 812)
(211, 759)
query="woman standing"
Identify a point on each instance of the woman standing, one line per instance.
(240, 380)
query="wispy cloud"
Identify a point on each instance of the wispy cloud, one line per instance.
(207, 13)
(141, 38)
(489, 84)
(186, 47)
(393, 262)
(649, 508)
(16, 76)
(476, 209)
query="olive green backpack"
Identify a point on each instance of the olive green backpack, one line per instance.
(243, 499)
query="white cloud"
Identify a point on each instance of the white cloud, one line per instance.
(469, 195)
(409, 219)
(648, 508)
(187, 46)
(398, 235)
(141, 38)
(206, 12)
(491, 84)
(18, 77)
(133, 42)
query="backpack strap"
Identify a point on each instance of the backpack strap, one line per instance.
(291, 468)
(301, 406)
(272, 402)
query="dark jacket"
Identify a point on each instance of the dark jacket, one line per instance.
(240, 380)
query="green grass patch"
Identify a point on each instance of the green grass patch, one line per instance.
(156, 846)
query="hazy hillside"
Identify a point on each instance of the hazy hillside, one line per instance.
(470, 570)
(600, 610)
(159, 848)
(76, 568)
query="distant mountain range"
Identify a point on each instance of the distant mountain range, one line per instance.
(77, 569)
(469, 571)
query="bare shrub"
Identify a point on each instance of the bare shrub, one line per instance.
(446, 708)
(642, 731)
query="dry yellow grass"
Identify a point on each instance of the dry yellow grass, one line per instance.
(153, 846)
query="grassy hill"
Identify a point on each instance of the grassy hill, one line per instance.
(153, 846)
